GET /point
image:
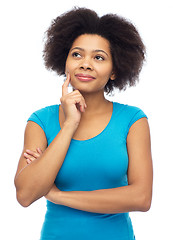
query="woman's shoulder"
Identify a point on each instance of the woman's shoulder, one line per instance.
(127, 115)
(43, 116)
(127, 109)
(50, 109)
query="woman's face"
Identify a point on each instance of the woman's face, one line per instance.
(89, 63)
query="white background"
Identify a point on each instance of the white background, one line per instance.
(27, 86)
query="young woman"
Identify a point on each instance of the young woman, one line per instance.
(91, 158)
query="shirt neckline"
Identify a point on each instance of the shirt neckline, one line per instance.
(98, 135)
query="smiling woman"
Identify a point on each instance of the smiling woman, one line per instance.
(89, 157)
(126, 46)
(90, 59)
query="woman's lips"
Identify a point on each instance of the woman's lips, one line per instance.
(84, 77)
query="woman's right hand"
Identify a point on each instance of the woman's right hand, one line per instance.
(73, 104)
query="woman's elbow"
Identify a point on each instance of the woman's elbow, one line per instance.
(22, 200)
(26, 196)
(145, 203)
(21, 197)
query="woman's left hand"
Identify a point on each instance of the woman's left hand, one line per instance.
(32, 156)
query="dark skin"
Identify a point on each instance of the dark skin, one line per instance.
(86, 100)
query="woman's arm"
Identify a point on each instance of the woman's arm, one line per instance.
(134, 197)
(34, 180)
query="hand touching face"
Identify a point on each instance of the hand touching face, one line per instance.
(89, 63)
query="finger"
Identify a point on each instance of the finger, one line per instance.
(80, 103)
(76, 95)
(30, 157)
(32, 153)
(39, 150)
(65, 85)
(81, 107)
(26, 155)
(28, 161)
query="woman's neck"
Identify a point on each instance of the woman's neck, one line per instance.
(96, 103)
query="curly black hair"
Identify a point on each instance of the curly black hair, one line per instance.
(127, 48)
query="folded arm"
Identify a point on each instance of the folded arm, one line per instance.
(134, 197)
(32, 181)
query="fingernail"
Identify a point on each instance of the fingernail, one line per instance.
(39, 149)
(28, 161)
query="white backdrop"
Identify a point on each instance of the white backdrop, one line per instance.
(27, 86)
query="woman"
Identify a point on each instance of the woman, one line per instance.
(89, 157)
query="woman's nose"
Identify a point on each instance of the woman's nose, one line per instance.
(86, 64)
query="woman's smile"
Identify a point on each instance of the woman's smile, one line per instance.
(84, 77)
(90, 60)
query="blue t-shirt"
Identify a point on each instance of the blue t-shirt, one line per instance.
(100, 162)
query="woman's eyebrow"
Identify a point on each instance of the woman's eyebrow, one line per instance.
(97, 50)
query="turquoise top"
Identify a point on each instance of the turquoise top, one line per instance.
(100, 162)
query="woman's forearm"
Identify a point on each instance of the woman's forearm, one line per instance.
(110, 201)
(37, 178)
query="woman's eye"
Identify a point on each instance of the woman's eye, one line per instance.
(76, 54)
(100, 58)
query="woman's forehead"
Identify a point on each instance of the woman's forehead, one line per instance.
(91, 42)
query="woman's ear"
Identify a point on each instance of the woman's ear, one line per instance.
(113, 76)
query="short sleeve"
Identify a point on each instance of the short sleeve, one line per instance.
(37, 118)
(136, 116)
(47, 118)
